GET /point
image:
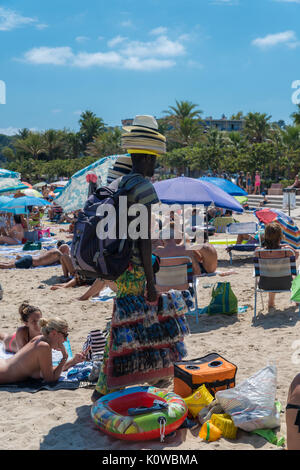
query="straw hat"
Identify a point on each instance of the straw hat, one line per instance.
(142, 137)
(122, 166)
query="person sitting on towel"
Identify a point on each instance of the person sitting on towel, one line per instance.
(15, 234)
(34, 360)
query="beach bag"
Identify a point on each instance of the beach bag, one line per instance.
(223, 300)
(94, 344)
(32, 246)
(92, 256)
(251, 404)
(296, 289)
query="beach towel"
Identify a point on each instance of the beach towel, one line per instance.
(104, 296)
(75, 377)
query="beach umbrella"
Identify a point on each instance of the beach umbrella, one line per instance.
(32, 192)
(226, 185)
(9, 174)
(39, 185)
(290, 231)
(185, 190)
(75, 192)
(22, 203)
(59, 183)
(26, 184)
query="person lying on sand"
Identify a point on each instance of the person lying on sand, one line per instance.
(56, 255)
(30, 316)
(34, 360)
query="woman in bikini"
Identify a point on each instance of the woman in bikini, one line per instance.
(30, 316)
(15, 234)
(34, 360)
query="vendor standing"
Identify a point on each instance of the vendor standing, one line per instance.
(144, 143)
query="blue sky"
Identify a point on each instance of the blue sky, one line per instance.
(120, 58)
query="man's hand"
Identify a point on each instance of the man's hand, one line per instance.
(151, 294)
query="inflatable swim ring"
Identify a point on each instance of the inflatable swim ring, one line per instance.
(139, 413)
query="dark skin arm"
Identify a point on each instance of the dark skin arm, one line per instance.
(145, 247)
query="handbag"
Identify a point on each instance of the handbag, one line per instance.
(223, 300)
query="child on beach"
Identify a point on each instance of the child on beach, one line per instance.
(30, 316)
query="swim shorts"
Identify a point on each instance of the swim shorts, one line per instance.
(24, 263)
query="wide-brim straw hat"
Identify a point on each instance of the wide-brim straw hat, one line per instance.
(143, 135)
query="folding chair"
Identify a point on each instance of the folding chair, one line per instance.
(243, 228)
(273, 271)
(174, 274)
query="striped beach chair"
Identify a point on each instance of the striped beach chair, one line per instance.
(274, 271)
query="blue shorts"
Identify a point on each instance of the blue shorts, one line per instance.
(24, 263)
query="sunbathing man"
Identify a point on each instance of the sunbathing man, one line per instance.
(56, 255)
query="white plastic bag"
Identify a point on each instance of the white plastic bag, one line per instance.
(251, 404)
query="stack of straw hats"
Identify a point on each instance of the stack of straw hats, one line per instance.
(122, 166)
(143, 137)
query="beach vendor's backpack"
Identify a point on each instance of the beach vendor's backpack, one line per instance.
(107, 258)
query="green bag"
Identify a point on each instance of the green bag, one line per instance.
(296, 289)
(223, 300)
(31, 246)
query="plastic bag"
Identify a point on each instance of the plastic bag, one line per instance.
(251, 404)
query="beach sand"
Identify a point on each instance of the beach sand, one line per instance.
(61, 419)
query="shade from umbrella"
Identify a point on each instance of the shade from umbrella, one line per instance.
(226, 185)
(185, 190)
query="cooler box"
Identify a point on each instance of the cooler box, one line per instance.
(215, 372)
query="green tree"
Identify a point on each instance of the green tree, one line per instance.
(296, 116)
(91, 126)
(32, 146)
(257, 127)
(108, 143)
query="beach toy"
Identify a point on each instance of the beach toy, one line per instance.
(209, 432)
(225, 424)
(198, 400)
(139, 413)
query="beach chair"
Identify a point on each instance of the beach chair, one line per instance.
(274, 270)
(243, 228)
(175, 273)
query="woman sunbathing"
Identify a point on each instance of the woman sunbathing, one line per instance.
(34, 360)
(30, 316)
(15, 234)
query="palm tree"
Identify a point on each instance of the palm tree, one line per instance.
(257, 127)
(33, 145)
(183, 121)
(108, 143)
(54, 144)
(90, 127)
(296, 116)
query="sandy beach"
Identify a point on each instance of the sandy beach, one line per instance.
(61, 419)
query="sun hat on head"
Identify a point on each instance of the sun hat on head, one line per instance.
(143, 137)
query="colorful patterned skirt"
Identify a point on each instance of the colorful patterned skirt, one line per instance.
(131, 282)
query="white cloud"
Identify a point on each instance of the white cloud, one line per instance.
(287, 38)
(10, 19)
(48, 55)
(81, 39)
(131, 55)
(161, 47)
(9, 130)
(127, 24)
(158, 31)
(115, 41)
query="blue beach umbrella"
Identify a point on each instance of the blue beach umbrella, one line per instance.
(20, 204)
(185, 190)
(226, 185)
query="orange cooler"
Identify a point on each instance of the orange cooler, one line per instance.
(213, 371)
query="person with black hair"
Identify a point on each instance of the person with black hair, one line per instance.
(14, 234)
